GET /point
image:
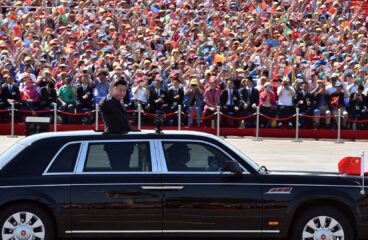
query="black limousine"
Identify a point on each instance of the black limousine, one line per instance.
(168, 184)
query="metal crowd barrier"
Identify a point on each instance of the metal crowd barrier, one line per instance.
(179, 113)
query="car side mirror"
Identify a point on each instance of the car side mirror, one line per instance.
(233, 167)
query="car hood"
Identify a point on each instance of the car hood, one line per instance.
(306, 177)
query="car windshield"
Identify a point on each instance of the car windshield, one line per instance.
(243, 156)
(9, 154)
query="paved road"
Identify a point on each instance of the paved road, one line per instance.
(308, 155)
(281, 154)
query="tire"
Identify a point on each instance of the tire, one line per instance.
(314, 217)
(26, 220)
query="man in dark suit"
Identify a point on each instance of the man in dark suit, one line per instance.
(84, 96)
(9, 93)
(175, 96)
(113, 111)
(249, 100)
(158, 98)
(304, 102)
(230, 102)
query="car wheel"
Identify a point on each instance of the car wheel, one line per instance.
(322, 223)
(24, 222)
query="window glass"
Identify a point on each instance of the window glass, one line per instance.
(193, 157)
(66, 159)
(118, 157)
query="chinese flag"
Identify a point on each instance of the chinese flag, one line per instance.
(264, 5)
(346, 24)
(332, 10)
(273, 10)
(288, 69)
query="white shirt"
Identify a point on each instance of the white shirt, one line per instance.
(140, 94)
(229, 98)
(352, 88)
(285, 96)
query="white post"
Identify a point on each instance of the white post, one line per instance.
(139, 116)
(55, 116)
(179, 117)
(297, 126)
(362, 192)
(12, 120)
(218, 121)
(339, 127)
(96, 120)
(257, 125)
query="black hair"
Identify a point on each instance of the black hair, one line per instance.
(361, 87)
(120, 82)
(51, 84)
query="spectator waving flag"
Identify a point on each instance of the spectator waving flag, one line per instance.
(179, 3)
(154, 9)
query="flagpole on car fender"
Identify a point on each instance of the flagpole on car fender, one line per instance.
(362, 192)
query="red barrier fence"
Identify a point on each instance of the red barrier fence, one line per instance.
(19, 129)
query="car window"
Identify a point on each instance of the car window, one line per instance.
(193, 157)
(118, 157)
(65, 160)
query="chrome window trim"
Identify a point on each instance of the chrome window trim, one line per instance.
(83, 159)
(186, 184)
(47, 173)
(161, 156)
(170, 231)
(163, 159)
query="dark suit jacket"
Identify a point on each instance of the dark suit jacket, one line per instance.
(307, 98)
(14, 94)
(170, 97)
(253, 98)
(81, 93)
(115, 116)
(224, 97)
(317, 98)
(356, 106)
(48, 95)
(153, 97)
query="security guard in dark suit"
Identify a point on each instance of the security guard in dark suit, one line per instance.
(9, 92)
(113, 110)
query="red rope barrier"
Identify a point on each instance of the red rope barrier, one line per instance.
(33, 111)
(150, 114)
(170, 114)
(131, 111)
(357, 121)
(155, 115)
(320, 117)
(277, 119)
(4, 111)
(76, 114)
(201, 118)
(238, 118)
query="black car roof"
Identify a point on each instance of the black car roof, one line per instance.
(93, 135)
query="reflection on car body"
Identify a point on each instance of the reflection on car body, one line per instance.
(168, 184)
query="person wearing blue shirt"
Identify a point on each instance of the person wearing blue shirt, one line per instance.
(101, 88)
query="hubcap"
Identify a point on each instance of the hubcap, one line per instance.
(23, 233)
(323, 228)
(23, 226)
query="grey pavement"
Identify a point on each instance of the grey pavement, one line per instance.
(309, 155)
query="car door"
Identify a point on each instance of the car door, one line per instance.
(200, 200)
(116, 190)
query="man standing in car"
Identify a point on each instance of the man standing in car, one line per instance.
(113, 111)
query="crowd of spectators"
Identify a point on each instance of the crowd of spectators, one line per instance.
(239, 55)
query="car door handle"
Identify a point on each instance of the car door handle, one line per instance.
(162, 187)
